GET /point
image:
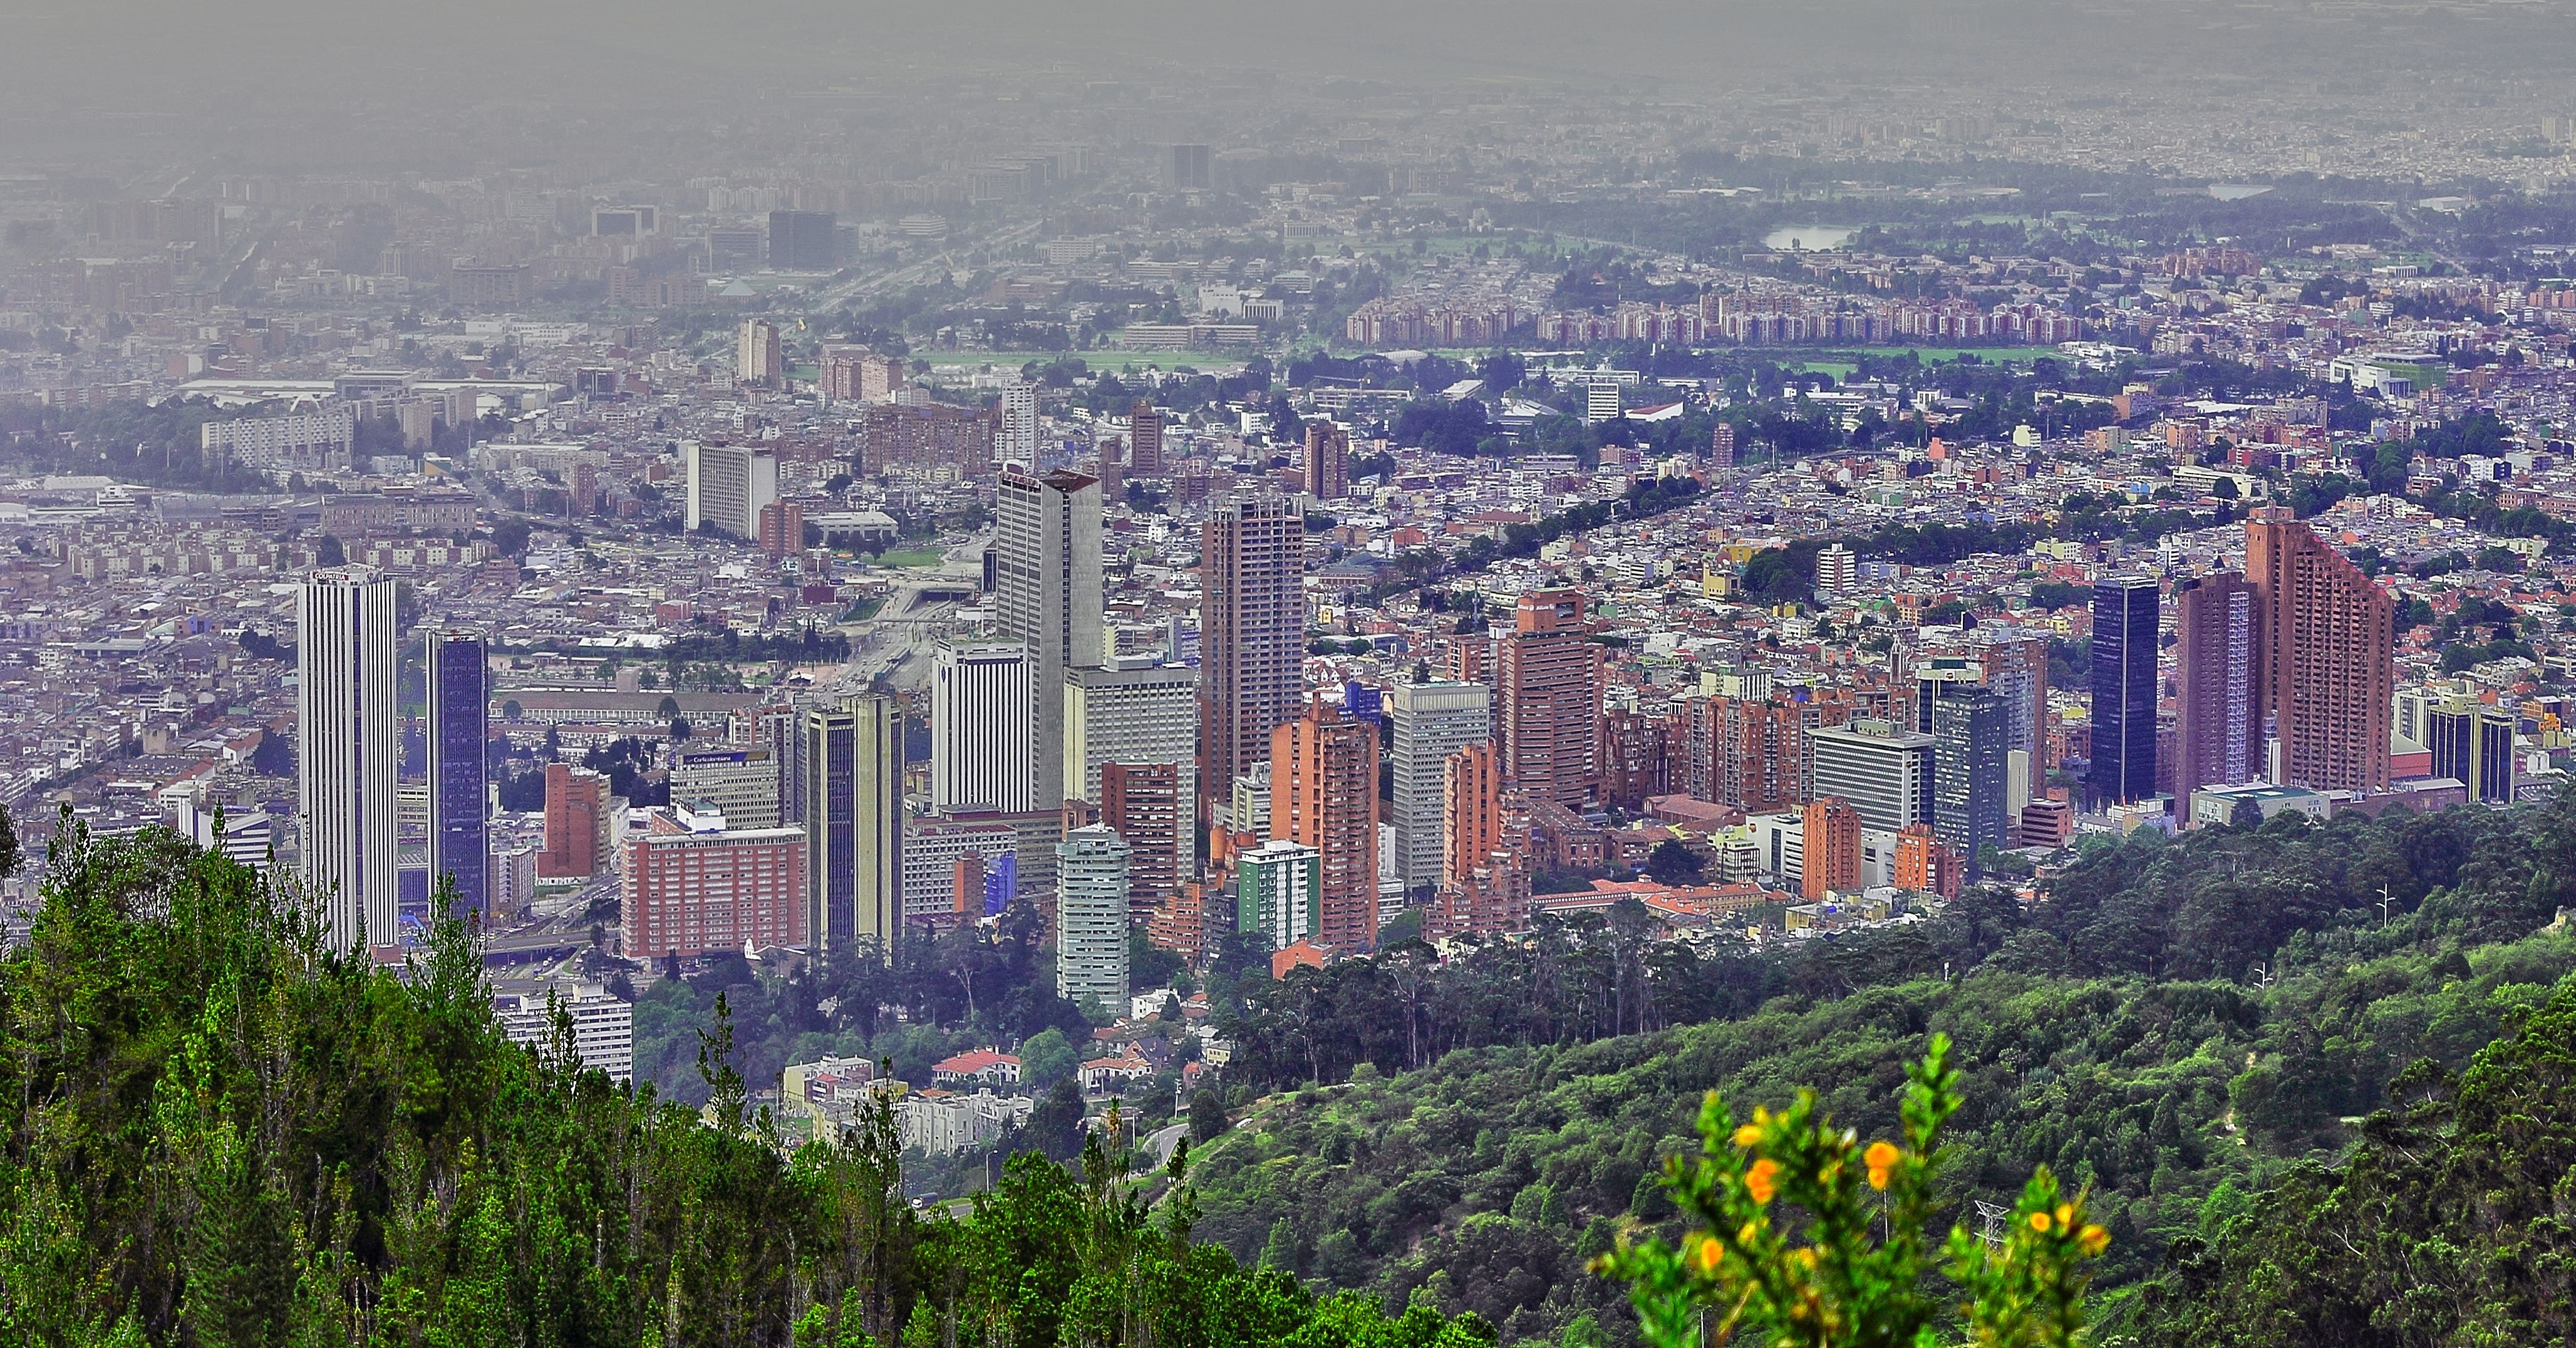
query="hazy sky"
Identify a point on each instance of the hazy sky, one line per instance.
(76, 68)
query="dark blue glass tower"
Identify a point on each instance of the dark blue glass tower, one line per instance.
(2124, 691)
(460, 701)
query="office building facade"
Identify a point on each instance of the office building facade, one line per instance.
(2472, 743)
(2125, 613)
(1885, 775)
(2218, 734)
(1145, 441)
(1047, 597)
(1431, 721)
(691, 885)
(1829, 849)
(347, 749)
(1134, 711)
(459, 731)
(1970, 742)
(982, 727)
(851, 761)
(729, 485)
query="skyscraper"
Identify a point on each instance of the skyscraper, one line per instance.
(1188, 168)
(2326, 657)
(1016, 439)
(1047, 597)
(729, 485)
(1829, 849)
(1471, 812)
(1141, 803)
(1969, 739)
(460, 726)
(1328, 461)
(803, 240)
(1145, 440)
(1252, 619)
(1750, 753)
(1432, 721)
(852, 763)
(2218, 736)
(2472, 743)
(1551, 682)
(756, 357)
(982, 720)
(1323, 793)
(1278, 891)
(1091, 918)
(345, 714)
(1134, 711)
(2124, 690)
(1883, 774)
(576, 823)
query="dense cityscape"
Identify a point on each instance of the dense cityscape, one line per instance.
(1194, 609)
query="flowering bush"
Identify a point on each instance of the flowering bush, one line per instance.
(1799, 1235)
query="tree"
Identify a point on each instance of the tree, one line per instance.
(328, 552)
(1674, 863)
(1046, 1058)
(1055, 1125)
(1852, 1271)
(1207, 1115)
(12, 860)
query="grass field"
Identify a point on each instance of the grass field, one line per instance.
(909, 557)
(1098, 360)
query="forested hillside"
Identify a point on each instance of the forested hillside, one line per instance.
(2196, 1029)
(222, 1135)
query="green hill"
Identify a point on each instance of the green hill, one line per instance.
(1492, 1174)
(221, 1134)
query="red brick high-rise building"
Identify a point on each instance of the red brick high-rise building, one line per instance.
(1328, 461)
(1633, 758)
(1926, 864)
(1323, 793)
(1145, 440)
(692, 886)
(1550, 679)
(2326, 661)
(1141, 803)
(1829, 848)
(576, 822)
(1252, 636)
(1745, 753)
(1471, 813)
(2218, 736)
(782, 529)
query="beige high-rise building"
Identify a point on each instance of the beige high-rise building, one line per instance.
(346, 750)
(1048, 598)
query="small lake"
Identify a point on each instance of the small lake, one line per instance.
(1808, 238)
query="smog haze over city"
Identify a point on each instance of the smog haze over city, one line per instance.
(1414, 675)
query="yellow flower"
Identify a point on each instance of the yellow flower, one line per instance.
(2066, 1215)
(1748, 1135)
(2093, 1240)
(1745, 1235)
(1758, 1180)
(1709, 1253)
(2039, 1221)
(1761, 1114)
(1878, 1179)
(1805, 1255)
(1880, 1156)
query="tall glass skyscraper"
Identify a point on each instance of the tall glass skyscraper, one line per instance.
(460, 725)
(2125, 609)
(851, 759)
